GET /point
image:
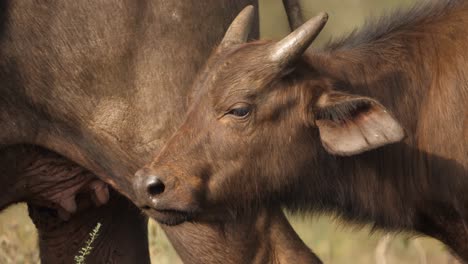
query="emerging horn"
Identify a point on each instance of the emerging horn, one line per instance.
(239, 29)
(293, 45)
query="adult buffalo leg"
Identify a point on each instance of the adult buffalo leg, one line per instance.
(122, 237)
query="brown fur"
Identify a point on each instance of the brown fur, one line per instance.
(412, 63)
(263, 237)
(103, 84)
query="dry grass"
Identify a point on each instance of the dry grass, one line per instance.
(18, 237)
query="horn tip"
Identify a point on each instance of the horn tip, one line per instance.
(239, 29)
(248, 9)
(322, 17)
(318, 21)
(247, 12)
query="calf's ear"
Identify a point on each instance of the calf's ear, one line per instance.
(350, 124)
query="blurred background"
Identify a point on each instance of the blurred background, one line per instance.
(333, 241)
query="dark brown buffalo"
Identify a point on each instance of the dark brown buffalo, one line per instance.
(325, 131)
(90, 91)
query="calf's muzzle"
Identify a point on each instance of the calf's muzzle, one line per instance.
(148, 187)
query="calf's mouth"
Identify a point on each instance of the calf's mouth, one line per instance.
(170, 217)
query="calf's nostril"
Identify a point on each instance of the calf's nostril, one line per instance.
(155, 187)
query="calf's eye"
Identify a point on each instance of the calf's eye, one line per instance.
(239, 111)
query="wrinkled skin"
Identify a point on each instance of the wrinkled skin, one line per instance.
(100, 86)
(33, 174)
(325, 131)
(66, 202)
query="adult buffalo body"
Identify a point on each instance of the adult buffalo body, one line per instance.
(90, 90)
(325, 131)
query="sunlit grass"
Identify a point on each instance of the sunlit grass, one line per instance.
(18, 236)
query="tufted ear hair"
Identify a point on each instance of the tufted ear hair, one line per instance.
(350, 124)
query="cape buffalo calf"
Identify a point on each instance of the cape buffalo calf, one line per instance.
(325, 130)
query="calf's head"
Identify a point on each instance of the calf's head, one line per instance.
(257, 117)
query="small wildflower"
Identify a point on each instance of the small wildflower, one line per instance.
(86, 250)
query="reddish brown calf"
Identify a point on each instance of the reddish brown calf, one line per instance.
(325, 131)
